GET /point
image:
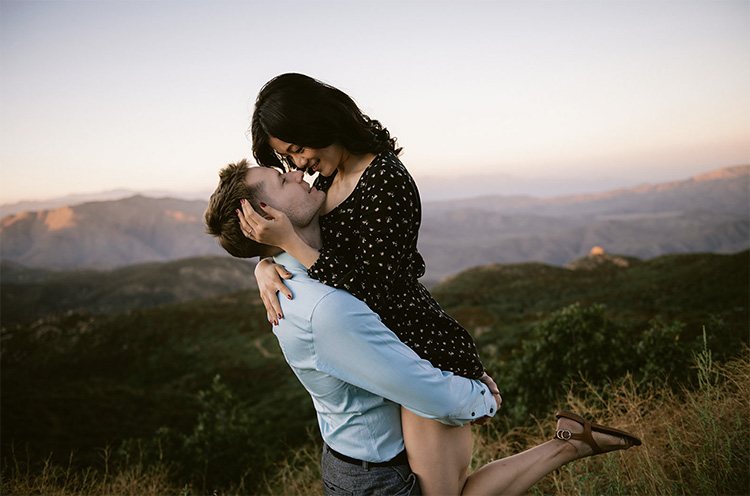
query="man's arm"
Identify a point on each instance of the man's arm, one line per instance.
(352, 344)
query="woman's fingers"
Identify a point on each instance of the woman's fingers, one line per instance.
(273, 306)
(268, 276)
(249, 218)
(245, 227)
(273, 309)
(270, 226)
(269, 212)
(284, 274)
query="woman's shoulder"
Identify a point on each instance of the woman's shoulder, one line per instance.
(388, 174)
(388, 167)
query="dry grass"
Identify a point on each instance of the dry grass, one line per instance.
(695, 442)
(301, 474)
(54, 480)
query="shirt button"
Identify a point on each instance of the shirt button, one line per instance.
(472, 414)
(492, 410)
(483, 391)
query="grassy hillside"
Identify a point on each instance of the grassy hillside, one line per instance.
(500, 302)
(144, 382)
(81, 382)
(26, 294)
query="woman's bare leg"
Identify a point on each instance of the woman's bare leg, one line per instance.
(438, 454)
(518, 473)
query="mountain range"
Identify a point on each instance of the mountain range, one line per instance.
(705, 213)
(107, 234)
(431, 188)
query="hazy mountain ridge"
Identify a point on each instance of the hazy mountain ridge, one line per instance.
(108, 234)
(569, 239)
(706, 213)
(76, 199)
(724, 190)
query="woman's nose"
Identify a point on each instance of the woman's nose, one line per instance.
(300, 161)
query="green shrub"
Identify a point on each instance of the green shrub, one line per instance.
(662, 351)
(582, 344)
(221, 451)
(573, 341)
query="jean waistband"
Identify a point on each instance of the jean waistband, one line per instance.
(399, 459)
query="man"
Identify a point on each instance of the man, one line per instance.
(356, 370)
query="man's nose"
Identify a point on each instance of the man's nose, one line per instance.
(296, 175)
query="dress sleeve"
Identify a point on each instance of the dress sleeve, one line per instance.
(385, 244)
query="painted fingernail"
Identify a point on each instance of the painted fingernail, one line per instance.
(242, 201)
(280, 316)
(238, 211)
(288, 297)
(262, 205)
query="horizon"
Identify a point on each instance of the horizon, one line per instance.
(433, 192)
(99, 96)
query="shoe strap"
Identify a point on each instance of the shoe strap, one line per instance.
(585, 436)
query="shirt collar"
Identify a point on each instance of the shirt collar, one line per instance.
(289, 262)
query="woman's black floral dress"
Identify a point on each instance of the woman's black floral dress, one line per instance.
(370, 250)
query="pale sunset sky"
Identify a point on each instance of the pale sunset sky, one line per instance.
(157, 95)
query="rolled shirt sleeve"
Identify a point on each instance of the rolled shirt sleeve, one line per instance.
(353, 345)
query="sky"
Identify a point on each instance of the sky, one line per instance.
(157, 95)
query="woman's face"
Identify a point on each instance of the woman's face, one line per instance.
(323, 160)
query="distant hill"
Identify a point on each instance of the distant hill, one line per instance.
(27, 294)
(107, 234)
(76, 199)
(498, 302)
(706, 213)
(724, 190)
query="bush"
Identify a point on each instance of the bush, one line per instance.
(221, 451)
(581, 344)
(573, 341)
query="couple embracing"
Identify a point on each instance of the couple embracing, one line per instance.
(396, 382)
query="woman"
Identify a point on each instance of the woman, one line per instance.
(369, 223)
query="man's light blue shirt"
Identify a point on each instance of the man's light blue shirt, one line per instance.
(358, 372)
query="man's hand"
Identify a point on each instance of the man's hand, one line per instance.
(490, 384)
(486, 379)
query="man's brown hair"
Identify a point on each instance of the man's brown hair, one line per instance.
(221, 216)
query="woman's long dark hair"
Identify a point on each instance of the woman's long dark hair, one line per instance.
(306, 112)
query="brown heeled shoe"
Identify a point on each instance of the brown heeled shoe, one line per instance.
(586, 436)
